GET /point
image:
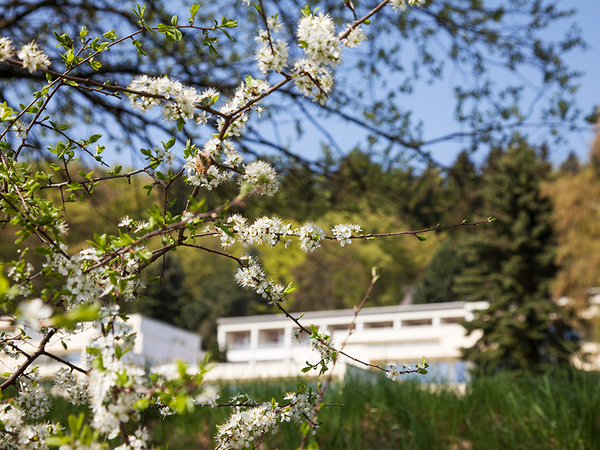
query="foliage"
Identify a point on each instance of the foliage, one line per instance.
(575, 197)
(437, 283)
(560, 409)
(511, 265)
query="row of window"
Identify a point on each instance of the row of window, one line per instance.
(275, 338)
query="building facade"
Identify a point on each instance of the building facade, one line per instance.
(263, 346)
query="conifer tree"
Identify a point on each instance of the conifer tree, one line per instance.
(511, 265)
(437, 283)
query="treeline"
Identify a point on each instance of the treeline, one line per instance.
(543, 244)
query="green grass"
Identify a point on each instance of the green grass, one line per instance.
(555, 411)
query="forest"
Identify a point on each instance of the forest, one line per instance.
(545, 238)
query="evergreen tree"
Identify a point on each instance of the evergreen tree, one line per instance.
(437, 283)
(511, 265)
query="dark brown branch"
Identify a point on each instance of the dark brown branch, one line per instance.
(39, 352)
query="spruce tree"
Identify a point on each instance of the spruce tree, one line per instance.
(511, 265)
(436, 285)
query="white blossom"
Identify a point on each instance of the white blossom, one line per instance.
(401, 4)
(261, 176)
(310, 236)
(33, 58)
(313, 80)
(343, 231)
(392, 371)
(33, 400)
(125, 221)
(31, 312)
(68, 386)
(316, 35)
(323, 344)
(6, 48)
(209, 396)
(354, 38)
(184, 99)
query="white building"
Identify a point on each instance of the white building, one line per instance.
(263, 346)
(156, 343)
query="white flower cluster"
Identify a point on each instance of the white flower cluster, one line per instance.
(245, 427)
(312, 75)
(113, 387)
(271, 57)
(20, 273)
(343, 231)
(272, 230)
(88, 286)
(137, 441)
(246, 92)
(81, 287)
(20, 435)
(313, 80)
(401, 4)
(264, 231)
(299, 408)
(261, 177)
(33, 400)
(201, 167)
(68, 386)
(324, 345)
(354, 38)
(310, 236)
(392, 370)
(6, 48)
(8, 344)
(252, 276)
(31, 56)
(316, 34)
(183, 102)
(31, 312)
(208, 396)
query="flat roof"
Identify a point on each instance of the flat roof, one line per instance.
(344, 312)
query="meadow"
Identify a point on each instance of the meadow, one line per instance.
(559, 410)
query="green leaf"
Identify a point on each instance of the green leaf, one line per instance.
(289, 289)
(170, 143)
(174, 20)
(111, 35)
(421, 238)
(57, 441)
(83, 313)
(193, 11)
(76, 424)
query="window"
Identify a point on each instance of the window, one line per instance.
(339, 327)
(416, 322)
(447, 320)
(238, 340)
(388, 324)
(270, 338)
